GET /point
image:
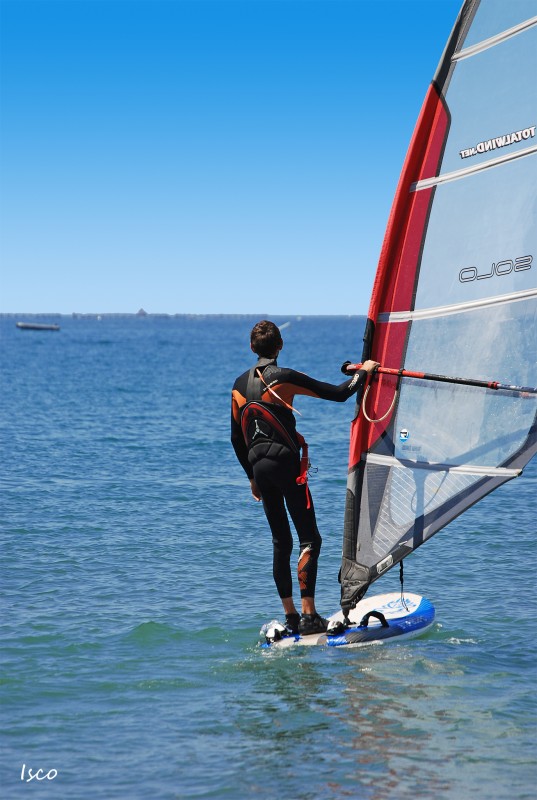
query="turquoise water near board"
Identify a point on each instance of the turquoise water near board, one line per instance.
(136, 573)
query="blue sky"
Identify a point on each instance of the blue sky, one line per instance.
(205, 156)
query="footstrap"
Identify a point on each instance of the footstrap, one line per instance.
(378, 615)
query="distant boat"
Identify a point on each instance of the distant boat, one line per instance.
(35, 326)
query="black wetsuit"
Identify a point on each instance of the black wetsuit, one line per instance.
(275, 467)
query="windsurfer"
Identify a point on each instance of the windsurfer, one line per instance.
(267, 445)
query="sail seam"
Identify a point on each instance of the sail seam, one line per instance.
(494, 40)
(462, 469)
(456, 175)
(456, 308)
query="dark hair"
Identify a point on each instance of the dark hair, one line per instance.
(265, 338)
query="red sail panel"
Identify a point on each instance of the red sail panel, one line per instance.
(395, 281)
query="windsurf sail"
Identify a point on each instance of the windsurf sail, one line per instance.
(455, 293)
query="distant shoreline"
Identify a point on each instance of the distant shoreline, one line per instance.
(120, 315)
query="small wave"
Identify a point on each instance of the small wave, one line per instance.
(156, 633)
(153, 632)
(458, 641)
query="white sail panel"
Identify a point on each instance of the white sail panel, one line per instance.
(489, 97)
(465, 241)
(497, 16)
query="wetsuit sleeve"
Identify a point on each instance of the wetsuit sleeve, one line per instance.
(237, 439)
(300, 383)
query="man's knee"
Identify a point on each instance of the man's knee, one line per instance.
(313, 545)
(283, 547)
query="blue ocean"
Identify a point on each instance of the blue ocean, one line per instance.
(136, 575)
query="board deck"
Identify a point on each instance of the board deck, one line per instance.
(405, 619)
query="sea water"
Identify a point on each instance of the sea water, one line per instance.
(136, 574)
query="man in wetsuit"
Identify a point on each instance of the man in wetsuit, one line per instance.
(264, 436)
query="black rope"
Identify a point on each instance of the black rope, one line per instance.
(402, 580)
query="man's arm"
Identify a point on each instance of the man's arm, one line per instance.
(299, 383)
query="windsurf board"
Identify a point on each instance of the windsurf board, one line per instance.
(379, 618)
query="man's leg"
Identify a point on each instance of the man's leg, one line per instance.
(266, 473)
(310, 540)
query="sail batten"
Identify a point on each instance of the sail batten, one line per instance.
(468, 52)
(463, 469)
(458, 308)
(429, 183)
(455, 294)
